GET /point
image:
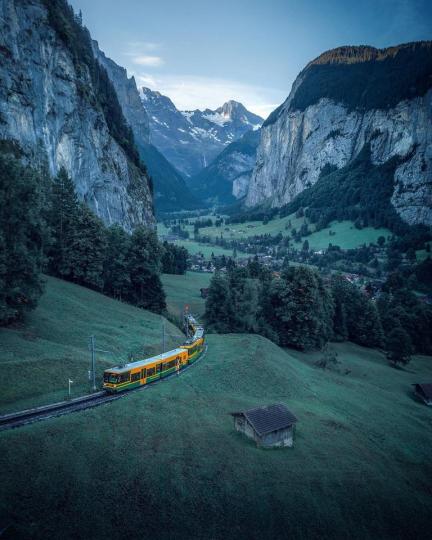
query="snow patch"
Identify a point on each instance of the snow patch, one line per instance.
(217, 118)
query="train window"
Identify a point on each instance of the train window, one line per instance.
(143, 373)
(135, 376)
(158, 368)
(151, 371)
(124, 377)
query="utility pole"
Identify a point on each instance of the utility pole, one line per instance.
(93, 361)
(70, 382)
(163, 336)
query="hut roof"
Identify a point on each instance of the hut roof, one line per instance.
(270, 418)
(425, 389)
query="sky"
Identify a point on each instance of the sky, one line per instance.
(201, 53)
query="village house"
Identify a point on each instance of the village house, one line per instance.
(269, 426)
(424, 392)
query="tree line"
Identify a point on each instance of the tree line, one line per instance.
(45, 228)
(299, 309)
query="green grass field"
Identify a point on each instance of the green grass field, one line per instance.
(166, 462)
(185, 290)
(38, 358)
(346, 235)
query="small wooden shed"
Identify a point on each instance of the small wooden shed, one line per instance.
(424, 392)
(269, 426)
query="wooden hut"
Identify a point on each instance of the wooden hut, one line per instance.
(424, 392)
(269, 426)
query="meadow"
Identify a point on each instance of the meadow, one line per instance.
(37, 358)
(343, 234)
(184, 291)
(166, 462)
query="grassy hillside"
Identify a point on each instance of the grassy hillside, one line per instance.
(167, 463)
(38, 358)
(185, 290)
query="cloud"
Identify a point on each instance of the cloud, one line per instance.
(134, 46)
(189, 92)
(148, 61)
(138, 53)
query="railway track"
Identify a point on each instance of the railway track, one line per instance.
(28, 416)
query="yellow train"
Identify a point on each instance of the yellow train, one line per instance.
(146, 371)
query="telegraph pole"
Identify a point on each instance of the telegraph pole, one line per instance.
(163, 336)
(93, 361)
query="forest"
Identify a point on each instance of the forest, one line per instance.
(301, 310)
(45, 229)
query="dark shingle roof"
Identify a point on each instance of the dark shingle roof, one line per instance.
(426, 389)
(267, 419)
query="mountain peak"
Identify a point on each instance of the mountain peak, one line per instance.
(231, 108)
(353, 54)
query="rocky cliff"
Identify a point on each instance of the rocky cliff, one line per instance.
(128, 95)
(170, 190)
(340, 102)
(226, 179)
(50, 105)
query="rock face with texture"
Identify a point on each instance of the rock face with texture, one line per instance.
(226, 179)
(170, 190)
(128, 96)
(320, 123)
(190, 140)
(48, 107)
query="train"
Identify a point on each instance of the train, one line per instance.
(142, 372)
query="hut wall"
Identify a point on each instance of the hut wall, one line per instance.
(242, 425)
(282, 437)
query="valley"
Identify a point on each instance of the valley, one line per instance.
(211, 182)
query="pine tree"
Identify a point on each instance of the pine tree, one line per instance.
(87, 250)
(356, 317)
(23, 234)
(300, 309)
(63, 221)
(115, 268)
(398, 346)
(144, 264)
(217, 308)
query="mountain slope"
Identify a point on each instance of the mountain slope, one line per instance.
(170, 190)
(190, 140)
(226, 179)
(55, 335)
(58, 104)
(111, 463)
(343, 100)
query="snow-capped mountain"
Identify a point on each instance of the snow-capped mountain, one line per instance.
(190, 140)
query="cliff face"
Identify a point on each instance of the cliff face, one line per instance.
(128, 96)
(170, 190)
(50, 107)
(226, 179)
(322, 122)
